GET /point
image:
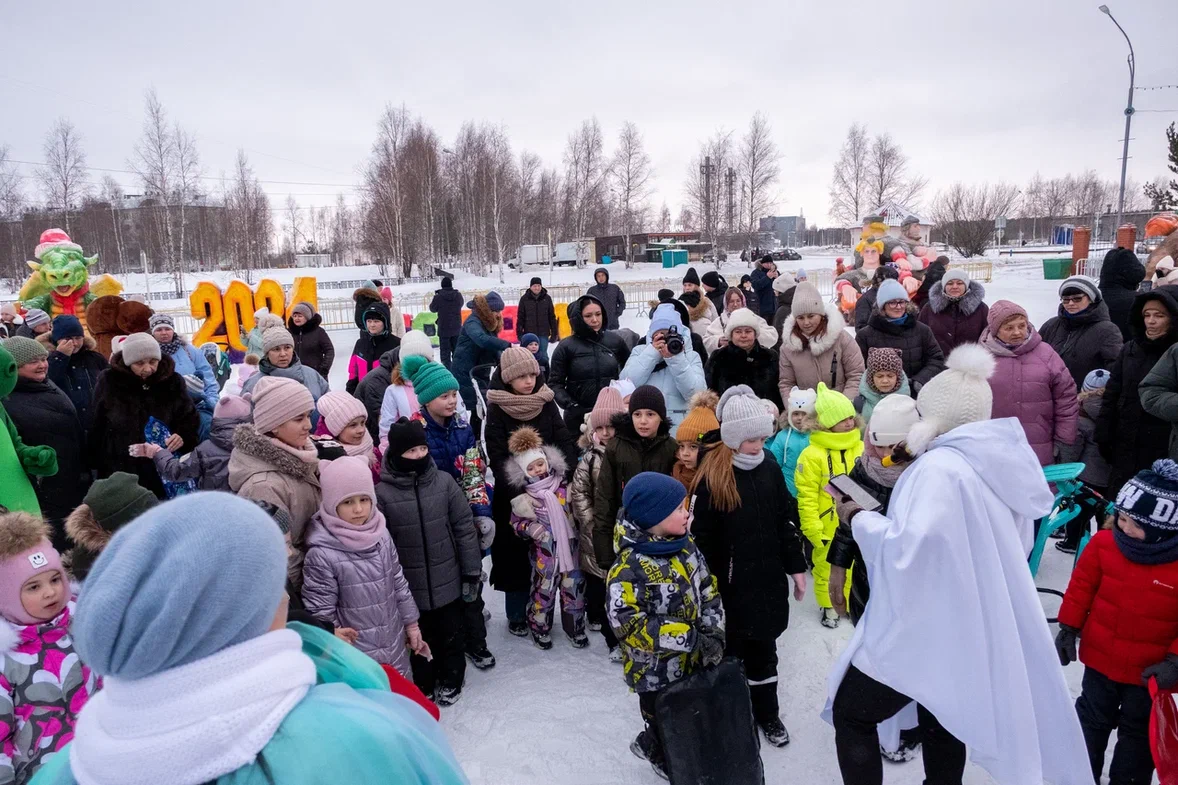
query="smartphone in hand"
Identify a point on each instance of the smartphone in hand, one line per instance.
(842, 487)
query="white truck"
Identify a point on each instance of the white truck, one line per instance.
(567, 253)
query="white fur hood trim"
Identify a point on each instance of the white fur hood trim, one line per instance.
(835, 325)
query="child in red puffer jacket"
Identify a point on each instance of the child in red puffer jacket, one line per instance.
(1122, 603)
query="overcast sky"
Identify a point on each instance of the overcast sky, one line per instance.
(971, 90)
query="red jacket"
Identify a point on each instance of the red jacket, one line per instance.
(1127, 613)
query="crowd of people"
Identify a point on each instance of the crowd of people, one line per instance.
(667, 492)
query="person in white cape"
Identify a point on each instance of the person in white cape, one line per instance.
(954, 621)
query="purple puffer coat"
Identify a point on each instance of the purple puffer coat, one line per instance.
(1032, 383)
(365, 590)
(955, 322)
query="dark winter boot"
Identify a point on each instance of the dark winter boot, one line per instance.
(647, 747)
(518, 628)
(543, 640)
(447, 696)
(775, 732)
(579, 640)
(481, 658)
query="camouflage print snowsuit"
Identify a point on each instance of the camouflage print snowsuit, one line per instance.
(659, 607)
(547, 579)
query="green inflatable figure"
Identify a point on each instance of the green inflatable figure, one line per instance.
(17, 459)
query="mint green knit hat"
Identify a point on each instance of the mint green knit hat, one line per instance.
(430, 379)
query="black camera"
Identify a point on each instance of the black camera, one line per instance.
(674, 341)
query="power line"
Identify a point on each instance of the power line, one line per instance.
(199, 177)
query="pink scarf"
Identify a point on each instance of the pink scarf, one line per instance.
(549, 510)
(411, 397)
(362, 450)
(354, 538)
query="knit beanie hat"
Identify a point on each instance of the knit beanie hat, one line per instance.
(807, 300)
(338, 408)
(783, 283)
(691, 277)
(608, 403)
(535, 280)
(276, 400)
(25, 551)
(650, 498)
(832, 407)
(344, 477)
(801, 400)
(743, 416)
(1079, 284)
(700, 419)
(801, 274)
(274, 337)
(888, 291)
(1151, 499)
(139, 346)
(884, 359)
(8, 309)
(528, 338)
(711, 278)
(664, 317)
(958, 395)
(430, 379)
(184, 581)
(526, 446)
(956, 274)
(891, 420)
(1002, 312)
(35, 317)
(447, 283)
(66, 326)
(305, 309)
(404, 435)
(516, 361)
(109, 505)
(25, 350)
(232, 407)
(625, 387)
(648, 397)
(1096, 380)
(161, 320)
(742, 317)
(263, 311)
(416, 342)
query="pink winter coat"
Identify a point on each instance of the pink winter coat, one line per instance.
(1032, 383)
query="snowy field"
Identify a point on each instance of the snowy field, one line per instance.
(565, 715)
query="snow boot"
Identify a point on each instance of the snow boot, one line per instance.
(594, 626)
(518, 628)
(543, 640)
(646, 747)
(1064, 546)
(615, 654)
(579, 640)
(775, 732)
(830, 618)
(447, 696)
(481, 658)
(908, 750)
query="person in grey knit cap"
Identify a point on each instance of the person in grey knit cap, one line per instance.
(280, 360)
(1082, 332)
(750, 547)
(37, 322)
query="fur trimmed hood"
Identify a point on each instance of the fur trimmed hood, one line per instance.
(515, 474)
(366, 292)
(89, 539)
(974, 296)
(835, 324)
(492, 320)
(20, 531)
(250, 444)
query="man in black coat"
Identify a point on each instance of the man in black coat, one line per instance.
(586, 361)
(611, 297)
(74, 365)
(1120, 276)
(714, 287)
(447, 304)
(536, 314)
(764, 303)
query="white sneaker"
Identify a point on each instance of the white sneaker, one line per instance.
(830, 618)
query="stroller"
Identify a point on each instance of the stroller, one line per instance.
(480, 378)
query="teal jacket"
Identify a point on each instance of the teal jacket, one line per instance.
(786, 446)
(349, 729)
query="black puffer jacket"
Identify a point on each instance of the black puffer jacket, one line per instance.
(44, 415)
(583, 363)
(447, 304)
(752, 551)
(122, 405)
(717, 295)
(1131, 439)
(511, 570)
(431, 524)
(918, 346)
(785, 307)
(610, 295)
(1085, 342)
(1120, 275)
(865, 307)
(626, 456)
(77, 376)
(313, 345)
(935, 272)
(370, 391)
(731, 365)
(536, 314)
(844, 551)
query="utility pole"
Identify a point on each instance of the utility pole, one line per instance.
(730, 180)
(1128, 116)
(707, 169)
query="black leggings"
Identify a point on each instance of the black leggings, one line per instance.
(595, 608)
(441, 628)
(860, 705)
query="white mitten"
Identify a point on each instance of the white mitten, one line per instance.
(523, 506)
(486, 527)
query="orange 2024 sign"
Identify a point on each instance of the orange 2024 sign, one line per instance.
(225, 315)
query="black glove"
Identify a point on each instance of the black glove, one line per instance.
(711, 650)
(470, 589)
(1065, 644)
(1166, 673)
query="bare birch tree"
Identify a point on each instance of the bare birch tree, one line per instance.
(759, 169)
(112, 194)
(849, 183)
(965, 215)
(154, 162)
(188, 174)
(888, 177)
(251, 224)
(501, 177)
(664, 218)
(585, 173)
(63, 178)
(631, 174)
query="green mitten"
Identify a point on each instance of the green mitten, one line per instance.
(38, 460)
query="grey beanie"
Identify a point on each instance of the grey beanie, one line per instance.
(181, 582)
(956, 274)
(161, 320)
(807, 300)
(305, 309)
(1082, 284)
(139, 346)
(742, 416)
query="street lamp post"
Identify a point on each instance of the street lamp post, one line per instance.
(1128, 116)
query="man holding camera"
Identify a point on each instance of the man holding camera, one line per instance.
(668, 362)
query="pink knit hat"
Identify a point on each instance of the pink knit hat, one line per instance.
(337, 409)
(1001, 312)
(342, 478)
(25, 551)
(277, 400)
(609, 403)
(232, 407)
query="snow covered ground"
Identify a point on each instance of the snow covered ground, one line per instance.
(565, 715)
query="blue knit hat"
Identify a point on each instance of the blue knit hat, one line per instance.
(1096, 380)
(183, 581)
(66, 326)
(889, 290)
(1151, 499)
(664, 317)
(650, 498)
(528, 338)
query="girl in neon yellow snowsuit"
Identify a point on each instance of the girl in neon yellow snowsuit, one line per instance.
(836, 443)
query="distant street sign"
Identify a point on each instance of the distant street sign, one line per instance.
(1000, 222)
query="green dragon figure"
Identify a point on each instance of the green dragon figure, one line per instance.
(60, 282)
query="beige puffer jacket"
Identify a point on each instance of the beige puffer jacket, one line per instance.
(834, 358)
